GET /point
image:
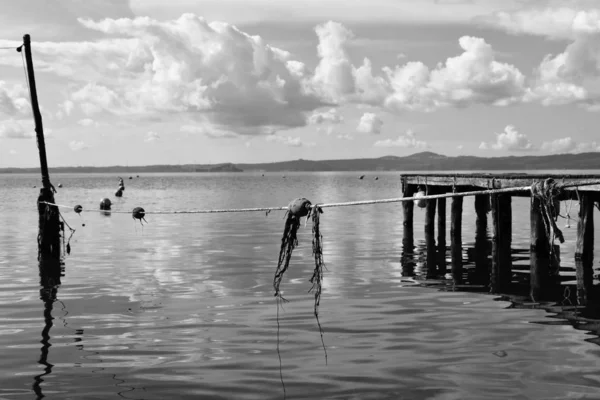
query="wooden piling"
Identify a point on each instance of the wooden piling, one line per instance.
(441, 241)
(482, 244)
(584, 248)
(456, 238)
(501, 275)
(430, 236)
(49, 218)
(539, 253)
(407, 259)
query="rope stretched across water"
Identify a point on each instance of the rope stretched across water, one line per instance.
(353, 203)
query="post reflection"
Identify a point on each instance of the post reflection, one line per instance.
(50, 271)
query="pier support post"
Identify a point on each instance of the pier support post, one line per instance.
(456, 238)
(430, 236)
(539, 253)
(584, 248)
(49, 222)
(482, 244)
(441, 241)
(407, 260)
(501, 275)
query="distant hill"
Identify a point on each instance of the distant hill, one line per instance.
(425, 161)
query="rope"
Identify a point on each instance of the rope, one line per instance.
(348, 203)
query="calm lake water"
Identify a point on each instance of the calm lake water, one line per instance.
(183, 307)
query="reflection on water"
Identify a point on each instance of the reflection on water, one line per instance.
(184, 308)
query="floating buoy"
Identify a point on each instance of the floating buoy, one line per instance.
(376, 178)
(421, 203)
(119, 192)
(78, 209)
(105, 204)
(130, 177)
(361, 177)
(60, 185)
(34, 186)
(139, 213)
(137, 176)
(299, 207)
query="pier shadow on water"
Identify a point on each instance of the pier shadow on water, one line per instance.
(571, 296)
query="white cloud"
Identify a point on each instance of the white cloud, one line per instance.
(208, 131)
(510, 139)
(460, 147)
(78, 145)
(329, 116)
(14, 101)
(472, 77)
(568, 145)
(408, 140)
(370, 123)
(12, 152)
(88, 122)
(553, 23)
(288, 141)
(345, 137)
(16, 129)
(327, 130)
(335, 78)
(151, 137)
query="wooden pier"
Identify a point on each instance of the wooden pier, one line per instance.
(546, 193)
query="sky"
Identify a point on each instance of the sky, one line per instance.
(144, 82)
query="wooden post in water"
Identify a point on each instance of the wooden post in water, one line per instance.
(430, 236)
(49, 222)
(441, 242)
(482, 204)
(407, 257)
(584, 248)
(501, 275)
(456, 238)
(539, 252)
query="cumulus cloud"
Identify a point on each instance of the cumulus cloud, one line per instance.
(370, 123)
(288, 141)
(16, 129)
(12, 152)
(472, 77)
(78, 145)
(345, 137)
(568, 145)
(572, 76)
(329, 116)
(151, 137)
(408, 140)
(510, 139)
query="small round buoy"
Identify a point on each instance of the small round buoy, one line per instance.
(60, 185)
(361, 177)
(421, 203)
(119, 192)
(299, 207)
(137, 176)
(78, 209)
(34, 186)
(376, 178)
(130, 177)
(105, 204)
(139, 213)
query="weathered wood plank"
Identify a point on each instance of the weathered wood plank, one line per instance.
(484, 181)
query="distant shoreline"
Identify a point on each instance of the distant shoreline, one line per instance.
(425, 161)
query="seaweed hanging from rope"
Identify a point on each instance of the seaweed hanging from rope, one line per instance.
(296, 209)
(317, 277)
(548, 193)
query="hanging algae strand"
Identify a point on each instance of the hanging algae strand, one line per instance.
(317, 278)
(296, 209)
